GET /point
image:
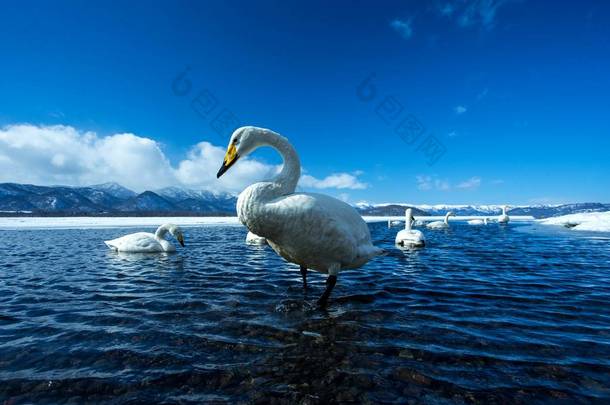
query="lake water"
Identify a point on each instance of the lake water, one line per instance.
(482, 314)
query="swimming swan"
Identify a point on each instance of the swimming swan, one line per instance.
(145, 242)
(504, 218)
(418, 222)
(478, 221)
(441, 224)
(315, 231)
(254, 239)
(410, 237)
(391, 223)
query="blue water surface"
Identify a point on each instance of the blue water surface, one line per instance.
(516, 313)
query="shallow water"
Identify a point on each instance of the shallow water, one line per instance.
(482, 314)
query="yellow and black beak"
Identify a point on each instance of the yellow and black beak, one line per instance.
(230, 158)
(181, 240)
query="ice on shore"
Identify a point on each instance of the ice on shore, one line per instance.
(588, 221)
(128, 222)
(109, 222)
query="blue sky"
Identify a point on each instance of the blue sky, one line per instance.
(515, 92)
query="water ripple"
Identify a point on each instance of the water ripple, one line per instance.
(488, 314)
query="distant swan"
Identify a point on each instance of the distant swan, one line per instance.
(504, 218)
(419, 222)
(410, 237)
(391, 223)
(314, 231)
(441, 224)
(478, 221)
(254, 239)
(145, 242)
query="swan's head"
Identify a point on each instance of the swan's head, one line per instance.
(176, 232)
(243, 141)
(450, 214)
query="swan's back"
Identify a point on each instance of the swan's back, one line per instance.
(139, 242)
(314, 230)
(410, 236)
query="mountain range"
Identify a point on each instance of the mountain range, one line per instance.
(536, 211)
(114, 199)
(111, 199)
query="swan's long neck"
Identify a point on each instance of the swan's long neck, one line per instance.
(503, 210)
(286, 181)
(447, 218)
(408, 220)
(251, 202)
(161, 232)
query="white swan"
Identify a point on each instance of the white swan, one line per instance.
(504, 218)
(314, 231)
(146, 242)
(419, 222)
(441, 224)
(254, 239)
(391, 223)
(410, 237)
(478, 221)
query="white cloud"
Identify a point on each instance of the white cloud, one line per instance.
(426, 183)
(403, 27)
(199, 170)
(336, 180)
(460, 109)
(470, 184)
(472, 13)
(62, 155)
(50, 155)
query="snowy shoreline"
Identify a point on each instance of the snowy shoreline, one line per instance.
(129, 222)
(589, 221)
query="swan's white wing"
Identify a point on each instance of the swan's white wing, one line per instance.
(140, 242)
(315, 230)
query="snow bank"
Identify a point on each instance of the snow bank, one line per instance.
(589, 221)
(109, 222)
(457, 218)
(128, 222)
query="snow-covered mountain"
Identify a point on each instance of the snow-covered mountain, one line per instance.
(114, 199)
(115, 190)
(537, 211)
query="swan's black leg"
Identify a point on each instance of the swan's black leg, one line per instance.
(330, 284)
(304, 274)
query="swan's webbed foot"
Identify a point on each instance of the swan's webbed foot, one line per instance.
(304, 275)
(330, 284)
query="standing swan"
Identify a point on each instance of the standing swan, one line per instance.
(145, 242)
(315, 231)
(410, 237)
(441, 224)
(503, 219)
